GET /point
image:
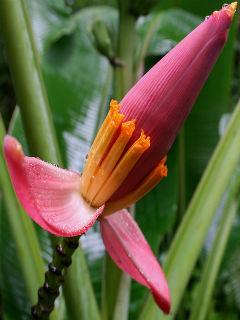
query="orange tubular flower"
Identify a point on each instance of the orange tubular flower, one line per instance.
(127, 158)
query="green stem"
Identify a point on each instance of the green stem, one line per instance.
(116, 284)
(125, 50)
(190, 236)
(54, 278)
(33, 102)
(27, 245)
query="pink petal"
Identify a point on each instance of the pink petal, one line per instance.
(128, 248)
(50, 195)
(162, 99)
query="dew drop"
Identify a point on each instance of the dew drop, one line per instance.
(207, 17)
(225, 5)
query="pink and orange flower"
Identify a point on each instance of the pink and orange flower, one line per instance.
(127, 158)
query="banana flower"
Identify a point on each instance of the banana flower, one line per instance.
(127, 157)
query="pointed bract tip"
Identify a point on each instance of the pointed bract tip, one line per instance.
(231, 8)
(13, 147)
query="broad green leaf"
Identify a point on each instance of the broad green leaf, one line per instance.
(50, 20)
(170, 27)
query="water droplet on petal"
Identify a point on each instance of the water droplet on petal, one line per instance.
(225, 5)
(207, 17)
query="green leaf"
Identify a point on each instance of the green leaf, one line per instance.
(171, 26)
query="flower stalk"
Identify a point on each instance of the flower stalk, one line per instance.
(54, 278)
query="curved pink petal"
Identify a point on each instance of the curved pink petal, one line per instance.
(128, 248)
(50, 195)
(162, 99)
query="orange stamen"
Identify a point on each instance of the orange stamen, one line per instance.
(122, 170)
(148, 184)
(111, 159)
(101, 144)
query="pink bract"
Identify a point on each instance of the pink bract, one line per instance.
(162, 99)
(50, 195)
(128, 248)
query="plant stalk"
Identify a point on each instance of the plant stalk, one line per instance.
(125, 50)
(54, 278)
